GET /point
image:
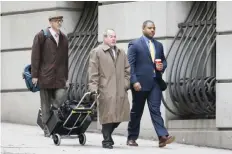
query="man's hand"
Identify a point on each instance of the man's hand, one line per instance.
(159, 66)
(35, 81)
(94, 92)
(137, 86)
(67, 84)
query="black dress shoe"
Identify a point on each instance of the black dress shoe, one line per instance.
(107, 146)
(111, 140)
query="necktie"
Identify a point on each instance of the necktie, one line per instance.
(152, 50)
(114, 54)
(57, 38)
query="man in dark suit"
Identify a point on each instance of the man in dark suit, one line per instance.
(146, 77)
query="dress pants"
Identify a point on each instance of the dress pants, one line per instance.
(107, 130)
(153, 98)
(54, 97)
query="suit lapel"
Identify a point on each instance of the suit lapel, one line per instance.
(156, 49)
(51, 37)
(106, 49)
(146, 49)
(60, 38)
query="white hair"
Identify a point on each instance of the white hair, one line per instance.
(107, 31)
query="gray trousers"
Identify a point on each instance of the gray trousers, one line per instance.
(54, 97)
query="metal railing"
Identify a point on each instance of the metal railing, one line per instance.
(191, 65)
(81, 42)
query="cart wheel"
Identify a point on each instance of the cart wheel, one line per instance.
(56, 139)
(82, 139)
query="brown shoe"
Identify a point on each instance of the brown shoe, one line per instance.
(166, 140)
(132, 143)
(170, 139)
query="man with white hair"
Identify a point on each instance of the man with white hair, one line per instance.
(109, 75)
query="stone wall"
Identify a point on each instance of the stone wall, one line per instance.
(20, 22)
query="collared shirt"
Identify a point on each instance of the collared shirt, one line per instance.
(114, 52)
(55, 35)
(147, 42)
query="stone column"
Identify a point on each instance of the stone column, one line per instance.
(223, 65)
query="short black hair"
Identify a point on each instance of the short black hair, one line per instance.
(146, 22)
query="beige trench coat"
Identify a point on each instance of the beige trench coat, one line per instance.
(111, 78)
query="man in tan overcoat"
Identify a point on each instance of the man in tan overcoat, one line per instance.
(109, 75)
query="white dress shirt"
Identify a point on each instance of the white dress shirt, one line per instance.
(114, 53)
(55, 35)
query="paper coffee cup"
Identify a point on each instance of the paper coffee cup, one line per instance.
(158, 61)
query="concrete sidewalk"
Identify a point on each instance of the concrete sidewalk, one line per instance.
(23, 139)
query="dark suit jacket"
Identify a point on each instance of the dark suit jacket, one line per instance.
(142, 67)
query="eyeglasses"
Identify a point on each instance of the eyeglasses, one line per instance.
(58, 20)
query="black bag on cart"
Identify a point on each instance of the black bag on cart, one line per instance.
(72, 118)
(58, 116)
(62, 115)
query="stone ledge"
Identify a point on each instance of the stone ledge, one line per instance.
(192, 124)
(215, 139)
(41, 10)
